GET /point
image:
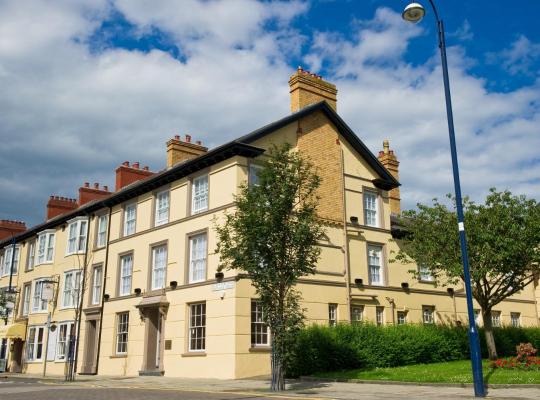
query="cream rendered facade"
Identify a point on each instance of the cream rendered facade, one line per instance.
(159, 323)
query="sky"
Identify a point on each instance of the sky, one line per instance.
(86, 85)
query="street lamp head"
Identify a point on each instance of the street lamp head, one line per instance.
(414, 13)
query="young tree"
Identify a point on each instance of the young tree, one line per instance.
(272, 235)
(503, 238)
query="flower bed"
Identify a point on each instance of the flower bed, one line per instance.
(525, 359)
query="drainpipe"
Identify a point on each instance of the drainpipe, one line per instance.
(104, 287)
(345, 238)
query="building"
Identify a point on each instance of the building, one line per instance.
(142, 258)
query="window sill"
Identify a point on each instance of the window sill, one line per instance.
(118, 356)
(260, 349)
(39, 312)
(428, 282)
(194, 354)
(76, 253)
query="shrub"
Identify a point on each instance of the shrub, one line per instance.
(525, 359)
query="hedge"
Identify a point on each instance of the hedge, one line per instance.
(349, 346)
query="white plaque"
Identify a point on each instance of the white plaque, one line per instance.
(216, 287)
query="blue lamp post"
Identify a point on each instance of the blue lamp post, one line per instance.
(414, 12)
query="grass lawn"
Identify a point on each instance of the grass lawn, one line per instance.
(447, 372)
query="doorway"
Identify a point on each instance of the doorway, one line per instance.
(153, 363)
(90, 347)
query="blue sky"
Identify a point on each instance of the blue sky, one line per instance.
(89, 84)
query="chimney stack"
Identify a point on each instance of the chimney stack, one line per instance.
(307, 88)
(10, 228)
(391, 163)
(180, 151)
(60, 205)
(87, 194)
(126, 175)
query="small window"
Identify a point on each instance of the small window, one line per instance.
(130, 218)
(122, 329)
(428, 314)
(27, 289)
(259, 330)
(162, 208)
(11, 255)
(254, 171)
(197, 261)
(401, 317)
(38, 304)
(45, 247)
(477, 317)
(126, 270)
(197, 327)
(357, 313)
(34, 343)
(97, 277)
(101, 238)
(159, 267)
(375, 265)
(30, 259)
(496, 319)
(77, 233)
(379, 315)
(332, 314)
(199, 194)
(72, 286)
(424, 274)
(65, 341)
(371, 209)
(515, 319)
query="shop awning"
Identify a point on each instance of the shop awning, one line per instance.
(13, 331)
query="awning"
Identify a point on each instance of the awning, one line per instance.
(13, 331)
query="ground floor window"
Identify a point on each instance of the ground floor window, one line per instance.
(379, 315)
(357, 313)
(428, 314)
(122, 329)
(65, 340)
(401, 317)
(496, 319)
(34, 343)
(259, 330)
(197, 327)
(515, 319)
(332, 314)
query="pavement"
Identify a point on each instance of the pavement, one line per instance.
(24, 387)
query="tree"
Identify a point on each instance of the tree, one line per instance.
(272, 235)
(503, 238)
(4, 311)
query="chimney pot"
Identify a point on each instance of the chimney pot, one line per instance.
(146, 168)
(106, 188)
(86, 184)
(188, 138)
(177, 137)
(198, 142)
(96, 185)
(136, 165)
(125, 163)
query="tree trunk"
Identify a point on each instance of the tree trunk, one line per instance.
(488, 329)
(278, 379)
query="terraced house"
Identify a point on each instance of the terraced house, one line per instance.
(140, 260)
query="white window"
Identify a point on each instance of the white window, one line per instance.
(27, 289)
(38, 304)
(72, 286)
(428, 314)
(130, 218)
(45, 247)
(425, 274)
(197, 261)
(496, 319)
(401, 317)
(126, 269)
(122, 329)
(254, 171)
(162, 208)
(96, 285)
(259, 330)
(159, 267)
(11, 255)
(332, 314)
(101, 239)
(197, 327)
(375, 265)
(379, 315)
(477, 317)
(199, 194)
(66, 331)
(371, 209)
(30, 261)
(357, 313)
(515, 319)
(77, 232)
(34, 343)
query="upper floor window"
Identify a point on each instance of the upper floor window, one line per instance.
(45, 247)
(162, 208)
(97, 277)
(371, 209)
(72, 285)
(101, 238)
(38, 304)
(27, 289)
(254, 171)
(197, 258)
(11, 260)
(259, 330)
(130, 218)
(425, 274)
(159, 267)
(375, 265)
(31, 259)
(77, 231)
(199, 194)
(126, 270)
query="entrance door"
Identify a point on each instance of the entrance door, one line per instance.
(3, 355)
(90, 347)
(152, 356)
(17, 355)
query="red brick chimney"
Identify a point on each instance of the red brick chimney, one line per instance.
(87, 193)
(179, 150)
(10, 228)
(126, 174)
(60, 205)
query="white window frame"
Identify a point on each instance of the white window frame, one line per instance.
(125, 275)
(332, 314)
(197, 327)
(45, 247)
(428, 315)
(424, 274)
(101, 231)
(371, 208)
(496, 319)
(371, 250)
(43, 305)
(71, 293)
(159, 267)
(200, 194)
(122, 333)
(77, 232)
(97, 279)
(253, 174)
(62, 344)
(401, 321)
(26, 299)
(8, 257)
(357, 313)
(260, 333)
(515, 319)
(33, 345)
(130, 224)
(379, 315)
(162, 207)
(198, 258)
(31, 261)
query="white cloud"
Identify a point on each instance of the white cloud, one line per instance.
(519, 58)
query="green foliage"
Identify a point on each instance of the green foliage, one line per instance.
(364, 345)
(272, 235)
(3, 300)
